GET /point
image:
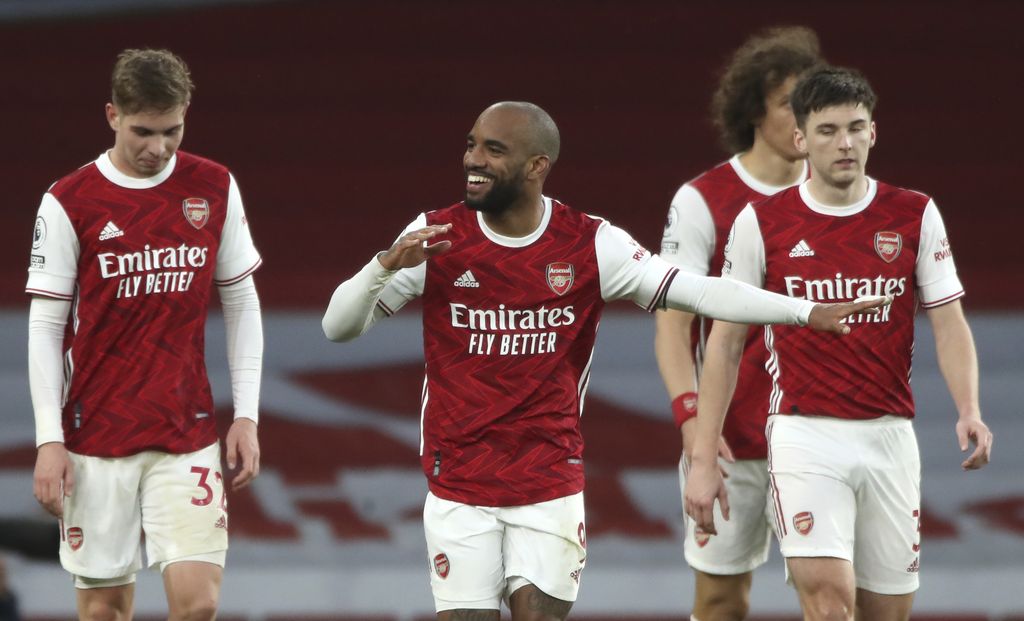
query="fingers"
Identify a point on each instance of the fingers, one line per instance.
(250, 468)
(725, 452)
(69, 479)
(438, 248)
(232, 456)
(723, 503)
(982, 450)
(961, 438)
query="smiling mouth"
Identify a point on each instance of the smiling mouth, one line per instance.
(476, 181)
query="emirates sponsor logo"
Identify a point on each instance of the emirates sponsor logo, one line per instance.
(75, 538)
(502, 318)
(560, 276)
(803, 522)
(149, 259)
(441, 565)
(888, 245)
(197, 211)
(843, 288)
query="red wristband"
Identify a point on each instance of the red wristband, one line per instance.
(684, 407)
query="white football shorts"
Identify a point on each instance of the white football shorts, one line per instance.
(481, 555)
(743, 542)
(178, 501)
(849, 489)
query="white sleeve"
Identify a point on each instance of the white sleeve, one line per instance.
(53, 267)
(737, 296)
(244, 324)
(237, 257)
(47, 319)
(372, 294)
(689, 238)
(627, 270)
(744, 250)
(937, 282)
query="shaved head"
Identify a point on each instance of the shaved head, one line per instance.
(533, 125)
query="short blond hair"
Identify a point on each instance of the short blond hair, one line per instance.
(150, 80)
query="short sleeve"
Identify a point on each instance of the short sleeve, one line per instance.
(744, 250)
(937, 281)
(689, 238)
(53, 265)
(628, 270)
(237, 257)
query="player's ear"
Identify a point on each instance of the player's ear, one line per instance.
(874, 133)
(800, 141)
(113, 117)
(537, 166)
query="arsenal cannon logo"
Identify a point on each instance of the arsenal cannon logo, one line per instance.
(560, 277)
(888, 245)
(197, 211)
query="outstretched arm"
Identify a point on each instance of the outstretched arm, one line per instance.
(958, 361)
(354, 307)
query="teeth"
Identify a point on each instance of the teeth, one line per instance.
(478, 179)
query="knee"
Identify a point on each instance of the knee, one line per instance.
(828, 605)
(725, 606)
(199, 609)
(100, 610)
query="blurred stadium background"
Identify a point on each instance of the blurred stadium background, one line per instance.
(342, 120)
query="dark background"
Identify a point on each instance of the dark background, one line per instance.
(343, 120)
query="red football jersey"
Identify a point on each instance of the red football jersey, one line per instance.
(135, 373)
(893, 243)
(509, 326)
(724, 194)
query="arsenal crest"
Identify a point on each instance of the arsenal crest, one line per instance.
(197, 211)
(75, 538)
(441, 565)
(560, 277)
(888, 245)
(803, 522)
(701, 536)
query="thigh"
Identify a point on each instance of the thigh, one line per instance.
(184, 509)
(824, 585)
(528, 603)
(813, 501)
(464, 547)
(742, 542)
(101, 528)
(110, 603)
(192, 586)
(545, 545)
(877, 607)
(889, 514)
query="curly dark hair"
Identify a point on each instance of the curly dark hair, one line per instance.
(150, 80)
(830, 86)
(760, 65)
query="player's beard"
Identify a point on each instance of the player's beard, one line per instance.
(500, 197)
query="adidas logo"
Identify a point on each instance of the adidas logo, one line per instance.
(221, 523)
(110, 231)
(467, 280)
(801, 249)
(915, 566)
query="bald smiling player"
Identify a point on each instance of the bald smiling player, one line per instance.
(513, 285)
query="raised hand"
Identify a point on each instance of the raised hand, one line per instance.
(410, 249)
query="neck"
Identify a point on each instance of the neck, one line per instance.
(520, 219)
(769, 166)
(837, 196)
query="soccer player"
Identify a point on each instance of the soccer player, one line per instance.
(752, 112)
(842, 457)
(513, 285)
(126, 252)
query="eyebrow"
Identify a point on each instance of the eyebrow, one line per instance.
(137, 128)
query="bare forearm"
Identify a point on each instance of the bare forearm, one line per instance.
(718, 382)
(674, 352)
(958, 361)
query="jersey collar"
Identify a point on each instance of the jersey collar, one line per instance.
(115, 176)
(517, 242)
(758, 186)
(844, 211)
